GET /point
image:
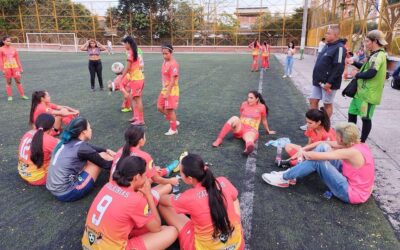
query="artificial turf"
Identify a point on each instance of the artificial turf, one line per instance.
(212, 89)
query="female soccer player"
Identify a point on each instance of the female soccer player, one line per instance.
(35, 149)
(168, 99)
(252, 112)
(134, 140)
(135, 77)
(93, 49)
(11, 67)
(318, 129)
(76, 164)
(124, 214)
(212, 204)
(116, 85)
(289, 60)
(41, 103)
(255, 46)
(265, 52)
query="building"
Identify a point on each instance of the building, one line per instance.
(248, 17)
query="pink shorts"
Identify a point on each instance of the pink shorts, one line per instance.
(12, 73)
(171, 103)
(136, 87)
(186, 236)
(245, 129)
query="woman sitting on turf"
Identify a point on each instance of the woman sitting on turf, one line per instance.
(35, 149)
(76, 164)
(212, 204)
(41, 103)
(252, 112)
(124, 214)
(134, 140)
(318, 129)
(346, 166)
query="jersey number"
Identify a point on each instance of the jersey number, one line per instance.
(26, 145)
(101, 208)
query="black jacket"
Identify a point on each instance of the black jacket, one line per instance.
(330, 65)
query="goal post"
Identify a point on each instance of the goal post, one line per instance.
(52, 41)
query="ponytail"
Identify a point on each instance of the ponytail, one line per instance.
(320, 115)
(193, 166)
(132, 43)
(133, 134)
(43, 123)
(129, 167)
(72, 131)
(260, 99)
(36, 99)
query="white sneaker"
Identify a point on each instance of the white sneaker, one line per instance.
(284, 76)
(276, 180)
(171, 132)
(291, 182)
(290, 76)
(304, 127)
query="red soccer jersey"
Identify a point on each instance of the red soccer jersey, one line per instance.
(252, 115)
(26, 168)
(169, 70)
(194, 202)
(150, 169)
(114, 213)
(134, 72)
(43, 108)
(9, 58)
(322, 135)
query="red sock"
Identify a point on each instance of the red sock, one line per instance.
(8, 89)
(167, 117)
(163, 172)
(20, 89)
(224, 131)
(140, 116)
(135, 113)
(172, 125)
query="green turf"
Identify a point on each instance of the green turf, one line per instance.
(212, 88)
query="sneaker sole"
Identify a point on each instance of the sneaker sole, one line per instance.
(276, 185)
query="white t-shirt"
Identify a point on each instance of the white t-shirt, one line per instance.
(321, 45)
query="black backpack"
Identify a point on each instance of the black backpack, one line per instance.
(395, 83)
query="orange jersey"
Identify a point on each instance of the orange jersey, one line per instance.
(114, 213)
(169, 70)
(26, 168)
(150, 169)
(9, 58)
(43, 108)
(321, 135)
(265, 50)
(252, 115)
(135, 71)
(194, 202)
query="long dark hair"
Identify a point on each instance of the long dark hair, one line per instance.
(72, 131)
(2, 41)
(133, 134)
(43, 123)
(292, 45)
(320, 115)
(129, 167)
(193, 166)
(36, 99)
(255, 43)
(132, 43)
(260, 98)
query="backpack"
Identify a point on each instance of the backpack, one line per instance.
(395, 83)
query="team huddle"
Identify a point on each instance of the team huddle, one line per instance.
(128, 211)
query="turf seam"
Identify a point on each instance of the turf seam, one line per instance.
(247, 196)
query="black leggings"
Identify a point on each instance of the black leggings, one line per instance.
(95, 67)
(366, 126)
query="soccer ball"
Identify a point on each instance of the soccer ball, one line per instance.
(117, 67)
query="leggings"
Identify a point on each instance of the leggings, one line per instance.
(95, 67)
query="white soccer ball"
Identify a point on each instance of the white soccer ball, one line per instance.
(117, 67)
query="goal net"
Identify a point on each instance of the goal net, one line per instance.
(52, 41)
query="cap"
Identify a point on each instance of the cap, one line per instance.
(378, 36)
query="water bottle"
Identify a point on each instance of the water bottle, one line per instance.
(176, 188)
(328, 195)
(278, 157)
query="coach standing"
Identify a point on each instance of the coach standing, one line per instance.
(328, 70)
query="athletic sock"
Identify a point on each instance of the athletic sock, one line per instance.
(135, 113)
(167, 117)
(140, 116)
(224, 131)
(8, 89)
(20, 89)
(172, 125)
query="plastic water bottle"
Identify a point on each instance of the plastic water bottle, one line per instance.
(278, 157)
(328, 195)
(176, 188)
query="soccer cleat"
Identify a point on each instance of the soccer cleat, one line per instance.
(171, 132)
(138, 123)
(124, 110)
(24, 97)
(277, 180)
(9, 98)
(304, 127)
(173, 167)
(217, 142)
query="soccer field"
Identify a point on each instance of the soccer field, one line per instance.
(212, 89)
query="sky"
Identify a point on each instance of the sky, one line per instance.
(100, 6)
